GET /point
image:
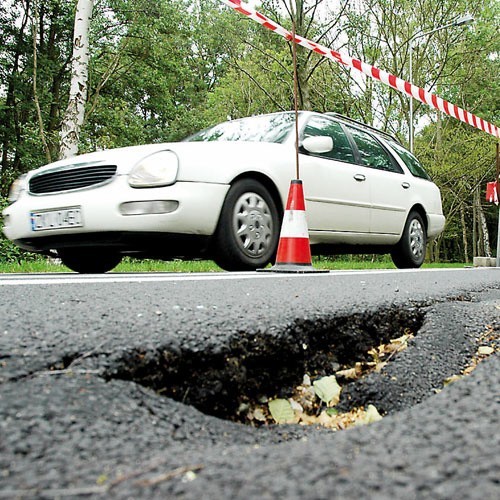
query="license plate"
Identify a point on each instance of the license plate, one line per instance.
(56, 219)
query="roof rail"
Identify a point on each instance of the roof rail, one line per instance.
(361, 124)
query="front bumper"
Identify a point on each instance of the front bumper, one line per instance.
(197, 213)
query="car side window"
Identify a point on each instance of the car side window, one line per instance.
(319, 126)
(372, 153)
(410, 161)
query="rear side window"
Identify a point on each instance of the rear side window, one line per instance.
(372, 153)
(410, 161)
(319, 126)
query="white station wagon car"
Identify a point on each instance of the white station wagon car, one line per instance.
(221, 194)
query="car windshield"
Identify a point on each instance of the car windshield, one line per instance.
(262, 128)
(410, 161)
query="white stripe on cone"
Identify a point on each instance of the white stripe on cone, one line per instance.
(294, 225)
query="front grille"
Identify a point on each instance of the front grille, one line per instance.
(73, 178)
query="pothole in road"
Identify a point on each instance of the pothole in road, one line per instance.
(262, 366)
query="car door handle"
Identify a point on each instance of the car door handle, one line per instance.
(405, 185)
(360, 177)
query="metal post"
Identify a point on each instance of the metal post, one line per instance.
(295, 98)
(497, 186)
(411, 97)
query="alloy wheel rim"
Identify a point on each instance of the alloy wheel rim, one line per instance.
(416, 239)
(253, 224)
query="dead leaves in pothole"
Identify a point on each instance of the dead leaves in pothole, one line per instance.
(384, 352)
(381, 355)
(330, 419)
(307, 407)
(328, 390)
(313, 402)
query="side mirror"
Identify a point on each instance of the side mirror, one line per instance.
(318, 144)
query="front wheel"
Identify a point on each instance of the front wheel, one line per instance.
(247, 234)
(89, 260)
(410, 251)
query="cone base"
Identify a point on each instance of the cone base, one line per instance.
(292, 268)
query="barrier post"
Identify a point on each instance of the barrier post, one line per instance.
(497, 186)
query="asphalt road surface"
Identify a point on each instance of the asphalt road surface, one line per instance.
(123, 386)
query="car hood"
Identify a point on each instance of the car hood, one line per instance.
(194, 157)
(124, 158)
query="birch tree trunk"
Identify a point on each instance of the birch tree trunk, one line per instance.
(75, 112)
(484, 232)
(483, 238)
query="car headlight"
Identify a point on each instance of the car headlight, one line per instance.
(17, 187)
(158, 169)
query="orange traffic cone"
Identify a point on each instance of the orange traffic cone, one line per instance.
(294, 250)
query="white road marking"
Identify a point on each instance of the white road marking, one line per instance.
(71, 278)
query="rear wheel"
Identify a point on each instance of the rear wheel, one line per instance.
(410, 251)
(89, 260)
(248, 230)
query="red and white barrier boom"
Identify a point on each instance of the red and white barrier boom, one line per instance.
(373, 72)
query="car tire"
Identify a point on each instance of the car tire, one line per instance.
(89, 260)
(410, 251)
(247, 233)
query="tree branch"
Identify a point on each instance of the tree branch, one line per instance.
(261, 88)
(35, 90)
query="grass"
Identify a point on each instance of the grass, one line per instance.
(206, 266)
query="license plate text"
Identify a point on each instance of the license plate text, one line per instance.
(56, 219)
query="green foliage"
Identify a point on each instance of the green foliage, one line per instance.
(19, 133)
(10, 253)
(461, 161)
(141, 87)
